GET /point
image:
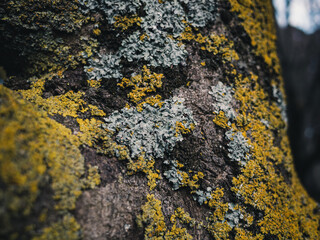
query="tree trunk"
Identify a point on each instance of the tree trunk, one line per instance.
(146, 120)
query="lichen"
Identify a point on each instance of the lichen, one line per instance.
(260, 184)
(260, 26)
(218, 45)
(104, 66)
(111, 9)
(142, 84)
(152, 131)
(180, 178)
(222, 95)
(234, 215)
(163, 18)
(67, 228)
(126, 22)
(154, 224)
(31, 29)
(156, 48)
(200, 12)
(238, 147)
(36, 152)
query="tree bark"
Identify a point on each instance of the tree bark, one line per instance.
(146, 120)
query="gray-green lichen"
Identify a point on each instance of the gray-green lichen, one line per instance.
(172, 174)
(152, 131)
(277, 94)
(202, 196)
(233, 216)
(223, 96)
(111, 8)
(156, 49)
(162, 22)
(200, 12)
(104, 66)
(238, 147)
(164, 17)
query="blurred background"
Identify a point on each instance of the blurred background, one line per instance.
(299, 51)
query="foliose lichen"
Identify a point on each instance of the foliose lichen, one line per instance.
(238, 147)
(200, 12)
(280, 100)
(37, 152)
(178, 176)
(104, 66)
(155, 48)
(155, 227)
(233, 216)
(223, 96)
(111, 8)
(202, 196)
(166, 17)
(152, 131)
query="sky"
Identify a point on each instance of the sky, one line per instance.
(299, 15)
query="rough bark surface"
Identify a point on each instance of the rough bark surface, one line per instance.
(146, 120)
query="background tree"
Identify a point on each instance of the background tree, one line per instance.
(145, 119)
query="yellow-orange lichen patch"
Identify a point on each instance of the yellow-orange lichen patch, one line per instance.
(258, 21)
(146, 166)
(35, 148)
(66, 228)
(125, 22)
(216, 44)
(142, 84)
(260, 183)
(154, 224)
(68, 104)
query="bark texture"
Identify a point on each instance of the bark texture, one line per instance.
(146, 120)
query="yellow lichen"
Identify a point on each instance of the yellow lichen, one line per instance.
(181, 129)
(34, 148)
(96, 31)
(94, 83)
(154, 223)
(260, 183)
(221, 120)
(146, 166)
(153, 219)
(258, 21)
(152, 100)
(68, 104)
(142, 84)
(93, 178)
(215, 44)
(125, 22)
(67, 228)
